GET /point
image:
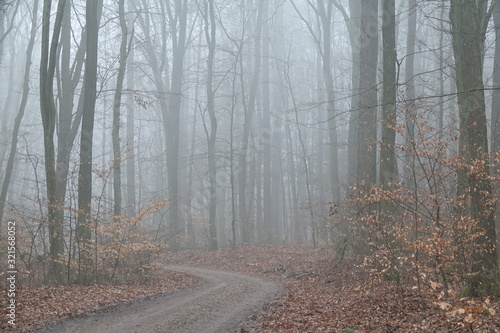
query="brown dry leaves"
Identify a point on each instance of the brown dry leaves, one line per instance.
(321, 295)
(325, 296)
(44, 305)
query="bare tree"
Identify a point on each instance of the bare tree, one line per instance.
(177, 17)
(117, 153)
(495, 103)
(48, 113)
(5, 30)
(249, 110)
(20, 113)
(85, 172)
(323, 42)
(468, 30)
(131, 178)
(387, 157)
(353, 23)
(410, 81)
(265, 133)
(367, 133)
(210, 33)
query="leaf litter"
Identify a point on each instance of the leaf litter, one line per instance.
(41, 306)
(322, 294)
(326, 294)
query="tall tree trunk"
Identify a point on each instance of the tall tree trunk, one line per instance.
(324, 46)
(278, 102)
(69, 120)
(296, 226)
(410, 106)
(495, 104)
(85, 219)
(353, 23)
(232, 177)
(265, 133)
(495, 109)
(131, 179)
(306, 160)
(160, 69)
(48, 114)
(117, 154)
(178, 26)
(367, 133)
(210, 30)
(468, 34)
(258, 209)
(387, 160)
(244, 209)
(2, 29)
(326, 23)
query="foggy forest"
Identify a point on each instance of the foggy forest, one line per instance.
(363, 133)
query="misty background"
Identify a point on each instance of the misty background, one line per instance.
(218, 123)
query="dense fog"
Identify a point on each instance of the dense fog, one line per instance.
(209, 124)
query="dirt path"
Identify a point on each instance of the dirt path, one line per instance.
(219, 305)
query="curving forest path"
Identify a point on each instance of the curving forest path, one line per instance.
(222, 303)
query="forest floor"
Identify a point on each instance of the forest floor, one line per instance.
(41, 306)
(220, 304)
(325, 294)
(321, 294)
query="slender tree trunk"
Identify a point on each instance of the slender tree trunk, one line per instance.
(117, 154)
(326, 22)
(410, 106)
(296, 226)
(495, 104)
(20, 113)
(244, 209)
(159, 67)
(178, 24)
(48, 114)
(85, 173)
(69, 121)
(353, 22)
(367, 133)
(324, 46)
(387, 160)
(10, 25)
(192, 159)
(210, 30)
(495, 112)
(265, 133)
(306, 161)
(442, 65)
(231, 164)
(257, 178)
(131, 179)
(277, 128)
(232, 171)
(2, 29)
(6, 112)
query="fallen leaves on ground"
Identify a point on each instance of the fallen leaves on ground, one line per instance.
(322, 294)
(37, 307)
(325, 295)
